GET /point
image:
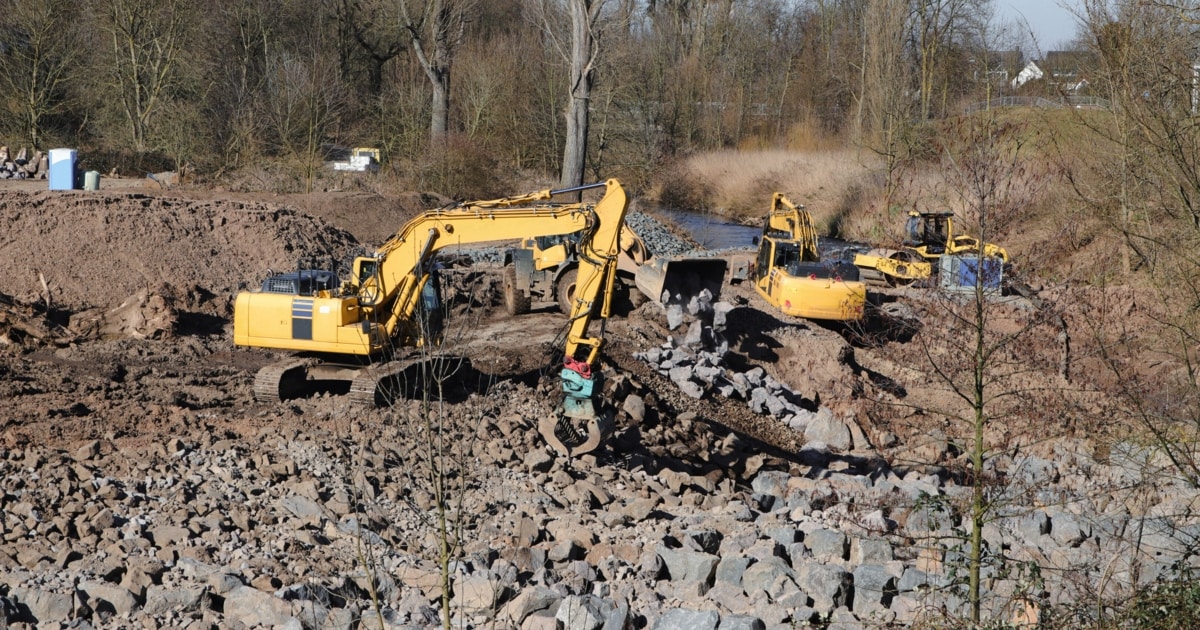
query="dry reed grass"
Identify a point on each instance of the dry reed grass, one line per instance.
(740, 183)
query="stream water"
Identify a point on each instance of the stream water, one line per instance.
(713, 232)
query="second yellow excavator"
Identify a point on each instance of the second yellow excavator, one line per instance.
(545, 268)
(790, 275)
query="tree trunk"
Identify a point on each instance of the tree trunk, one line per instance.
(439, 115)
(582, 53)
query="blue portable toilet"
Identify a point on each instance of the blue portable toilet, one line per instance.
(62, 169)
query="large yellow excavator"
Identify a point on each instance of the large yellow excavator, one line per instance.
(790, 275)
(927, 237)
(362, 330)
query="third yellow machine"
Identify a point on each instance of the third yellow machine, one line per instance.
(927, 237)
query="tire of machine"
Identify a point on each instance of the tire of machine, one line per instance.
(515, 300)
(564, 291)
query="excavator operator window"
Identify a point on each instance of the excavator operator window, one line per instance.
(366, 271)
(763, 266)
(787, 257)
(935, 230)
(935, 234)
(912, 232)
(546, 242)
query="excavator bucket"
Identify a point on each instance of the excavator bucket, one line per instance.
(676, 280)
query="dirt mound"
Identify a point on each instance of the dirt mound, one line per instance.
(97, 250)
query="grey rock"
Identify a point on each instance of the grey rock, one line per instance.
(161, 600)
(674, 315)
(870, 551)
(1030, 527)
(874, 588)
(538, 460)
(683, 619)
(635, 406)
(617, 618)
(915, 580)
(720, 312)
(580, 613)
(220, 583)
(46, 607)
(731, 569)
(681, 374)
(772, 482)
(783, 535)
(814, 454)
(828, 586)
(688, 566)
(169, 535)
(122, 601)
(827, 544)
(341, 619)
(692, 389)
(758, 400)
(1067, 529)
(706, 540)
(823, 427)
(303, 508)
(529, 601)
(929, 516)
(769, 575)
(741, 622)
(250, 606)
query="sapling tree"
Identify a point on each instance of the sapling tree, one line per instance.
(985, 366)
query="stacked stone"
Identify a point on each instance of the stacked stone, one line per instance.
(22, 166)
(226, 533)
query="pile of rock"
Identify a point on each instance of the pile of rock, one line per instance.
(23, 166)
(272, 531)
(696, 363)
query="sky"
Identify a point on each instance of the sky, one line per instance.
(1051, 22)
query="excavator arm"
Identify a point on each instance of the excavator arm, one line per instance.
(793, 222)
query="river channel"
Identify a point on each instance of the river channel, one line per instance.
(715, 233)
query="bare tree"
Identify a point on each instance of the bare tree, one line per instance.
(243, 34)
(435, 35)
(376, 30)
(884, 109)
(305, 96)
(1148, 64)
(986, 378)
(147, 44)
(39, 61)
(935, 24)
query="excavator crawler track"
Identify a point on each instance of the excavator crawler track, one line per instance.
(378, 384)
(280, 381)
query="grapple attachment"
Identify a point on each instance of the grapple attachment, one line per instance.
(563, 432)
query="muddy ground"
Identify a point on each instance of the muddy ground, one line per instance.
(72, 375)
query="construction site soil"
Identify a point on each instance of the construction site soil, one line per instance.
(136, 344)
(116, 330)
(116, 315)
